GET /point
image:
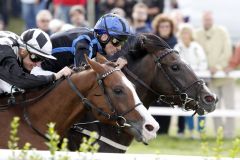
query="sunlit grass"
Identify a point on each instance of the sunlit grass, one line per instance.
(177, 146)
(16, 25)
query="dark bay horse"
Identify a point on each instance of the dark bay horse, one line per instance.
(103, 90)
(158, 74)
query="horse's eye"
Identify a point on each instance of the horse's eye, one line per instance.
(118, 91)
(175, 67)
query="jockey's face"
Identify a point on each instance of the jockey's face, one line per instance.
(113, 44)
(110, 49)
(28, 64)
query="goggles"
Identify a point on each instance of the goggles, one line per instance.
(35, 58)
(116, 42)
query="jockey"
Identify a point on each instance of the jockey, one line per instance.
(18, 56)
(107, 37)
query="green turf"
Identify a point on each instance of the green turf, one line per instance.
(177, 146)
(16, 25)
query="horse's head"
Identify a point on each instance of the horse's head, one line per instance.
(169, 76)
(117, 101)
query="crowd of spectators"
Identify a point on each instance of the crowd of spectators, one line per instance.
(208, 47)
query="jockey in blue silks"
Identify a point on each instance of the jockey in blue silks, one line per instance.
(108, 36)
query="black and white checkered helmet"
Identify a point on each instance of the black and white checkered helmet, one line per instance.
(38, 42)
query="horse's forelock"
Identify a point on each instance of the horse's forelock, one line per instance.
(143, 44)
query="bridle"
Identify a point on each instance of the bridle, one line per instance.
(181, 98)
(115, 116)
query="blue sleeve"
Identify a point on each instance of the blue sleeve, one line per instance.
(82, 47)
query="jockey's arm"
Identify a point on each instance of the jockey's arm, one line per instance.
(82, 47)
(12, 73)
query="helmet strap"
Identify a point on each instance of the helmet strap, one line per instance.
(103, 40)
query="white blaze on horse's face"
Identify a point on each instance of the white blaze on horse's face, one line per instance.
(150, 125)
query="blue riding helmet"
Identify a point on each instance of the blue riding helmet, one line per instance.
(112, 25)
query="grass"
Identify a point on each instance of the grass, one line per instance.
(16, 25)
(164, 144)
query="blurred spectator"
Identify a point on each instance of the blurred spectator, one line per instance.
(178, 19)
(234, 60)
(55, 25)
(62, 8)
(163, 27)
(1, 25)
(106, 6)
(190, 50)
(174, 4)
(29, 10)
(4, 13)
(77, 16)
(139, 18)
(43, 19)
(154, 8)
(66, 27)
(126, 5)
(118, 11)
(216, 43)
(16, 8)
(194, 55)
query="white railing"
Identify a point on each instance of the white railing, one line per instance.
(219, 74)
(169, 111)
(7, 154)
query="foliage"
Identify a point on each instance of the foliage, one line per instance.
(54, 139)
(88, 144)
(13, 138)
(183, 146)
(204, 142)
(218, 149)
(235, 149)
(53, 143)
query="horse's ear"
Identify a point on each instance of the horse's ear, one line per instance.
(97, 67)
(142, 41)
(100, 58)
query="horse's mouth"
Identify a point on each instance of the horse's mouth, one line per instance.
(207, 106)
(202, 105)
(136, 131)
(202, 108)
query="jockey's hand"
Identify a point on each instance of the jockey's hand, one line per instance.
(66, 71)
(121, 62)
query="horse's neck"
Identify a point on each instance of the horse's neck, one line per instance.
(143, 69)
(62, 105)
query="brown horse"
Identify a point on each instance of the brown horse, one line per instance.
(158, 73)
(104, 90)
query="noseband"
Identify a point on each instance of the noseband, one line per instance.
(115, 116)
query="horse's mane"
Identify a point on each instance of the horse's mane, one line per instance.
(140, 45)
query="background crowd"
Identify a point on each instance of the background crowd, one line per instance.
(206, 48)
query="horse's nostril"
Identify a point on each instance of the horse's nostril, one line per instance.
(149, 127)
(209, 99)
